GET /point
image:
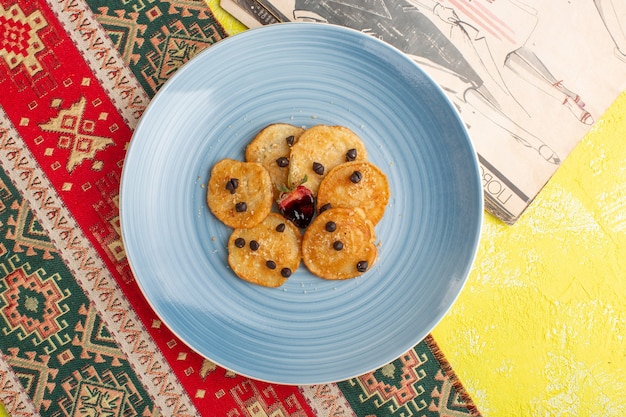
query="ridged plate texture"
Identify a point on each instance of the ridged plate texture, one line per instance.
(309, 330)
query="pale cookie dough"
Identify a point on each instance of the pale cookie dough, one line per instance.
(266, 254)
(239, 193)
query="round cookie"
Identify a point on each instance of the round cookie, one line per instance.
(266, 254)
(321, 148)
(339, 244)
(356, 184)
(271, 147)
(239, 193)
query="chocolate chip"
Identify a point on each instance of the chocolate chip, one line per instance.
(351, 155)
(280, 228)
(270, 264)
(337, 245)
(318, 168)
(240, 242)
(362, 266)
(285, 272)
(291, 140)
(232, 184)
(282, 162)
(254, 245)
(241, 207)
(325, 207)
(356, 177)
(331, 226)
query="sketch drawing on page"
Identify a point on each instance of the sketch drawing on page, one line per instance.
(613, 14)
(517, 55)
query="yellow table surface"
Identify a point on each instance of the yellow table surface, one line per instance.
(539, 327)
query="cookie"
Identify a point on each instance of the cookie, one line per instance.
(240, 193)
(356, 184)
(339, 244)
(271, 147)
(266, 254)
(321, 148)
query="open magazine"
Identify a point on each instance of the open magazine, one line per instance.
(528, 77)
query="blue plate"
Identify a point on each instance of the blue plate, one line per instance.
(310, 330)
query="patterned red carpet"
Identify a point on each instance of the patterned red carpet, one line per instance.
(77, 338)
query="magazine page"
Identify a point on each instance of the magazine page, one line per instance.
(528, 77)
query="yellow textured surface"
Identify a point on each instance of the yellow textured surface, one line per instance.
(539, 328)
